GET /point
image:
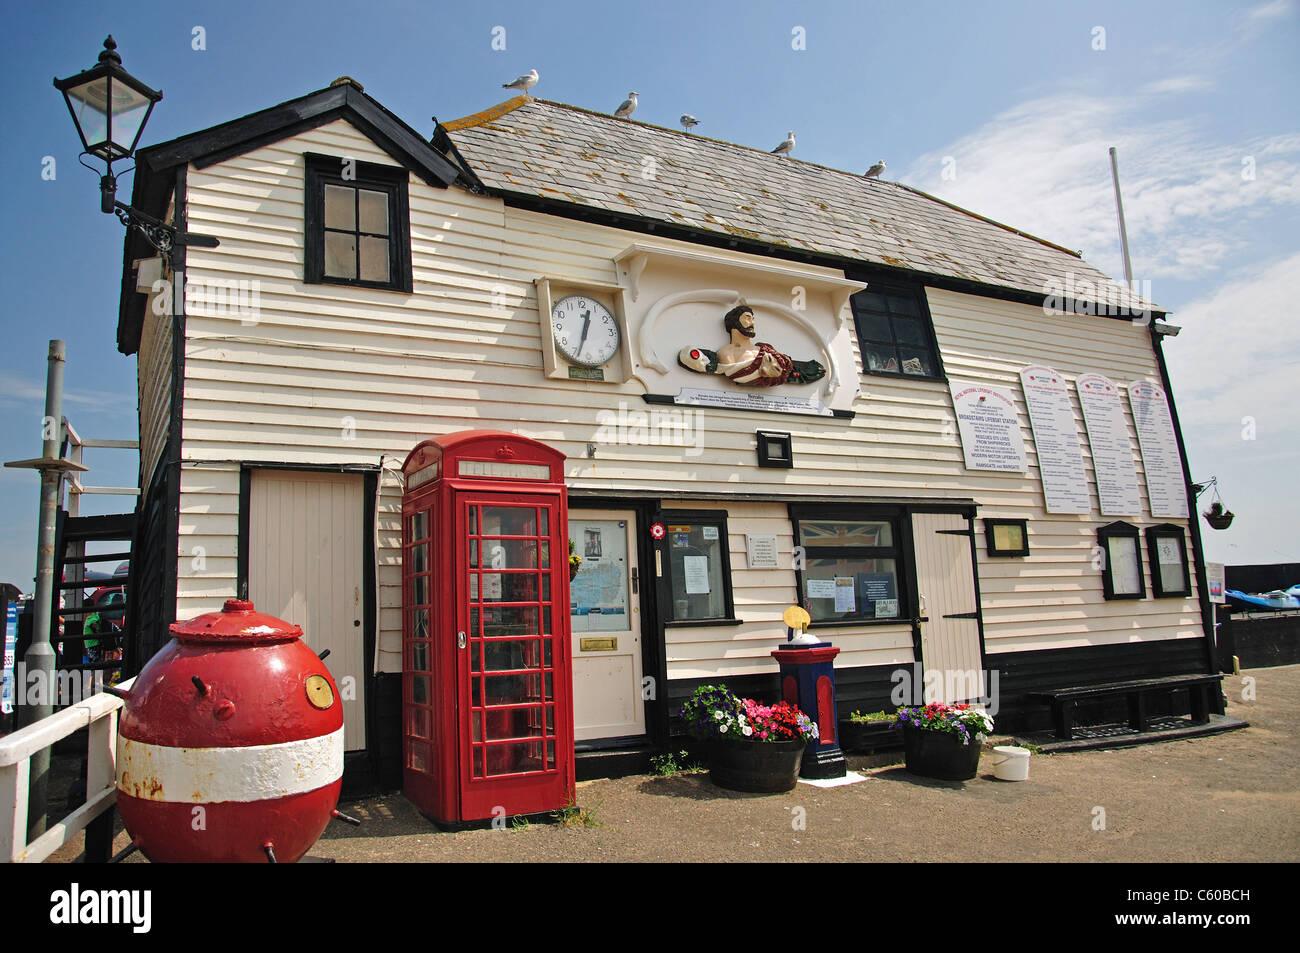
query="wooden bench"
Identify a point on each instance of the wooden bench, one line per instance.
(1063, 700)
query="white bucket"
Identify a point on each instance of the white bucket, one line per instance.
(1010, 763)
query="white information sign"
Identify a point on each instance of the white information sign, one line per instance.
(1166, 491)
(1112, 455)
(751, 400)
(821, 588)
(989, 427)
(1216, 582)
(696, 571)
(760, 549)
(844, 595)
(1056, 441)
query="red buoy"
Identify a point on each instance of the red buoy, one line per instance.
(230, 743)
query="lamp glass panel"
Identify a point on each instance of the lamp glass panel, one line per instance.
(129, 110)
(90, 107)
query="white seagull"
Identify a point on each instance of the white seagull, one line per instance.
(689, 122)
(523, 83)
(787, 146)
(876, 169)
(628, 107)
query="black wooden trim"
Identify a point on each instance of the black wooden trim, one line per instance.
(261, 128)
(979, 598)
(175, 449)
(672, 400)
(991, 547)
(241, 554)
(663, 586)
(954, 532)
(961, 615)
(1193, 524)
(766, 440)
(1167, 531)
(1127, 531)
(322, 170)
(369, 599)
(697, 623)
(913, 504)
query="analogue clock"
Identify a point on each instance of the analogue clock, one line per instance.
(585, 331)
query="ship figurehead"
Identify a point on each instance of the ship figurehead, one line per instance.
(746, 361)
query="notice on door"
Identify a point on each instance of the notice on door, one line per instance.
(989, 427)
(1056, 441)
(598, 594)
(1112, 455)
(1166, 491)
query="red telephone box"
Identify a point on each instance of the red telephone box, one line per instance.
(487, 718)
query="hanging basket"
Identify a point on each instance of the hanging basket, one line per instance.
(1218, 516)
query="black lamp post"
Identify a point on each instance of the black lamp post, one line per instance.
(110, 108)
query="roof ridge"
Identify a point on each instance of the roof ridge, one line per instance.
(486, 115)
(510, 105)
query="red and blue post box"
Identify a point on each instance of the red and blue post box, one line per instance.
(808, 682)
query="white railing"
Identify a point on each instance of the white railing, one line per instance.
(98, 712)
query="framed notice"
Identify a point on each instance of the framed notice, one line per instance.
(1112, 455)
(989, 427)
(1166, 488)
(1056, 441)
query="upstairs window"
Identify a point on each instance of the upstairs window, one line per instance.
(357, 224)
(895, 333)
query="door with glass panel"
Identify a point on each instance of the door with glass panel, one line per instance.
(605, 617)
(512, 669)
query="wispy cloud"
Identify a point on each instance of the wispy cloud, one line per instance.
(1044, 167)
(1273, 10)
(29, 393)
(1187, 83)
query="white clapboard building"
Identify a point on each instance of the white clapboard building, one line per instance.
(972, 475)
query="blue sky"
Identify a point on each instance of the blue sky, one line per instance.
(1016, 101)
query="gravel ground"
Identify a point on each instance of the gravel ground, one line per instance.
(1228, 797)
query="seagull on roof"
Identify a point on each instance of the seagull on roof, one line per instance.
(689, 122)
(628, 107)
(787, 145)
(876, 169)
(523, 83)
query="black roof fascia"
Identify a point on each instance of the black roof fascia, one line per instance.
(852, 267)
(306, 112)
(149, 193)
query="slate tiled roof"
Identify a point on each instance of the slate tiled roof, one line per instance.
(539, 149)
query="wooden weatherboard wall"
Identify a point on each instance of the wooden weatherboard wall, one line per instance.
(339, 376)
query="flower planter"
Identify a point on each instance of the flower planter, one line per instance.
(940, 754)
(858, 737)
(760, 767)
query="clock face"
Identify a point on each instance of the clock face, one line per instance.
(585, 330)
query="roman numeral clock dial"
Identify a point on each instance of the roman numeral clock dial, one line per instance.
(585, 331)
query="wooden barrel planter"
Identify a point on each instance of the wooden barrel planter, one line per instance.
(940, 754)
(759, 767)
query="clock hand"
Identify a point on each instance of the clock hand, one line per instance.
(586, 324)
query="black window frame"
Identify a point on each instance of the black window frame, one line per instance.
(1167, 531)
(663, 552)
(990, 524)
(1104, 535)
(901, 552)
(323, 170)
(766, 440)
(914, 292)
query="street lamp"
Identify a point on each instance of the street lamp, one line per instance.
(110, 108)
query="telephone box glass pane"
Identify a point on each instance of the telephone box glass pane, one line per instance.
(418, 656)
(419, 623)
(419, 526)
(473, 624)
(420, 689)
(420, 590)
(510, 621)
(515, 758)
(510, 553)
(419, 756)
(543, 525)
(473, 520)
(504, 724)
(509, 521)
(511, 655)
(419, 557)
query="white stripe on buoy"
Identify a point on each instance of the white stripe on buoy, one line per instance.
(211, 775)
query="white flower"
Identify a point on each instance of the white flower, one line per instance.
(748, 731)
(722, 729)
(718, 715)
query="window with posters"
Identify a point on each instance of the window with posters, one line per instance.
(853, 564)
(696, 567)
(1167, 551)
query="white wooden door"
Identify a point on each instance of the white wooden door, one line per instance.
(604, 609)
(945, 580)
(305, 565)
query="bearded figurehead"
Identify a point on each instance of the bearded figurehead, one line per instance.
(746, 361)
